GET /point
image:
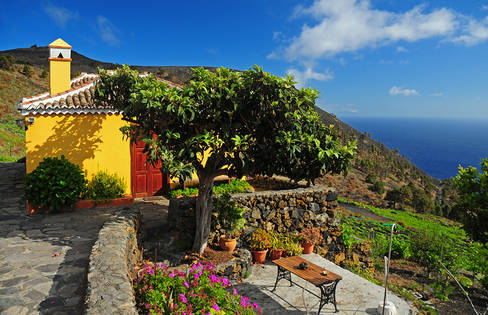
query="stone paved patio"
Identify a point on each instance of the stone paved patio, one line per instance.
(354, 294)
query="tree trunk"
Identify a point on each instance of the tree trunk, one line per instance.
(203, 212)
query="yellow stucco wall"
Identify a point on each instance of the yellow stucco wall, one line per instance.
(92, 141)
(59, 76)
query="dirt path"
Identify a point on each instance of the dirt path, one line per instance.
(364, 212)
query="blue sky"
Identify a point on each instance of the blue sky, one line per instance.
(379, 58)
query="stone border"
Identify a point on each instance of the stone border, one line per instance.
(112, 262)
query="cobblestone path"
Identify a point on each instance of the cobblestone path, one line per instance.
(44, 258)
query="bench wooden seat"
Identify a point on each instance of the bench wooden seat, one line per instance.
(313, 274)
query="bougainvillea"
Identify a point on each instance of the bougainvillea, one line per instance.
(160, 290)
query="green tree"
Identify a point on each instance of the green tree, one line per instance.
(247, 122)
(472, 187)
(27, 71)
(43, 74)
(6, 62)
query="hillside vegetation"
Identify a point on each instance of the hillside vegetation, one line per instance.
(388, 169)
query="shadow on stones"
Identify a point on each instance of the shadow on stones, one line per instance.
(52, 251)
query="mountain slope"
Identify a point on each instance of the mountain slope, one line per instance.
(373, 157)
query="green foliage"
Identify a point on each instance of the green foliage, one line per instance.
(428, 248)
(230, 118)
(400, 247)
(27, 71)
(235, 186)
(104, 187)
(55, 183)
(159, 290)
(371, 178)
(478, 261)
(347, 235)
(379, 187)
(230, 216)
(472, 187)
(277, 240)
(6, 62)
(260, 239)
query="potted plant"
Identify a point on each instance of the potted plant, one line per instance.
(277, 245)
(310, 236)
(292, 245)
(259, 241)
(230, 218)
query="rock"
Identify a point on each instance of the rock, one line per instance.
(339, 258)
(256, 214)
(331, 196)
(355, 258)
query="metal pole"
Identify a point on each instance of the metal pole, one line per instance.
(388, 268)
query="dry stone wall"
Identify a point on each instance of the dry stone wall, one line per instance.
(283, 211)
(112, 261)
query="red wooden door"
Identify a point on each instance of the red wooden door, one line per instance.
(146, 179)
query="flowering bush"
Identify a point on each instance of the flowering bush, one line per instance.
(197, 291)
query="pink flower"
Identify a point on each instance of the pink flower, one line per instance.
(225, 281)
(171, 275)
(255, 305)
(216, 307)
(151, 272)
(186, 284)
(235, 291)
(213, 278)
(183, 298)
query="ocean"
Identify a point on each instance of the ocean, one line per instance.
(437, 146)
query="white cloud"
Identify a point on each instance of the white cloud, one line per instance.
(61, 16)
(350, 25)
(474, 32)
(484, 7)
(401, 49)
(107, 31)
(437, 94)
(396, 90)
(340, 26)
(302, 77)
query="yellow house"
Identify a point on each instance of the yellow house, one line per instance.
(65, 121)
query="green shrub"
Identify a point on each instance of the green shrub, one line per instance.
(230, 216)
(428, 248)
(55, 183)
(27, 71)
(379, 187)
(371, 178)
(235, 186)
(104, 186)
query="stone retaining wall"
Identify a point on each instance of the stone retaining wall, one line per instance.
(112, 262)
(283, 211)
(12, 188)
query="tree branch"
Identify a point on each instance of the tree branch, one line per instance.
(464, 291)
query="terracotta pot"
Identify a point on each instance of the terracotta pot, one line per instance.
(276, 254)
(307, 248)
(227, 244)
(259, 256)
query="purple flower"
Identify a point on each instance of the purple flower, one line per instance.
(183, 298)
(216, 307)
